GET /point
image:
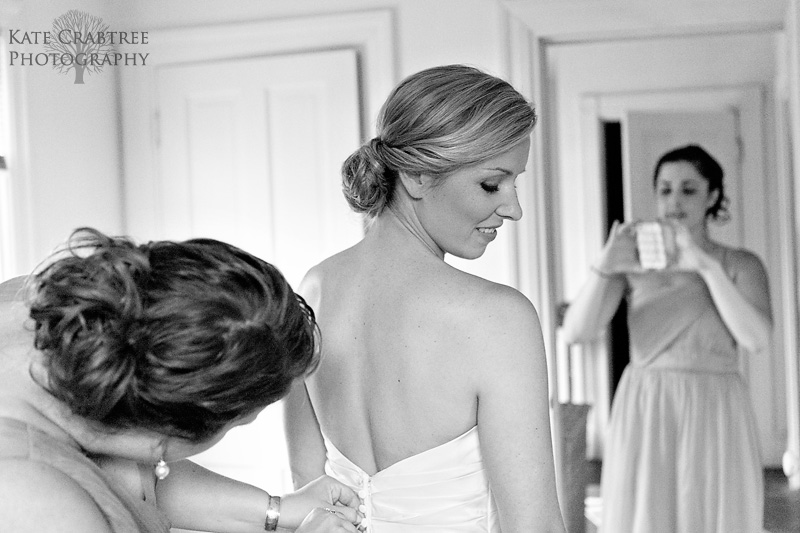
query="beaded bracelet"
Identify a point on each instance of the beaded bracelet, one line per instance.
(273, 513)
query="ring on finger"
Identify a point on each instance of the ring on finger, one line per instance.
(328, 509)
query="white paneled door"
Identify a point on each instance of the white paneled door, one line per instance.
(249, 152)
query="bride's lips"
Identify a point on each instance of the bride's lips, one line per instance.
(488, 232)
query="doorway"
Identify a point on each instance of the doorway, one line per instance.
(641, 127)
(617, 337)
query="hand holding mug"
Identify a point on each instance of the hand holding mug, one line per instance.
(689, 256)
(619, 255)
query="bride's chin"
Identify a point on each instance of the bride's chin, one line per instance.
(472, 254)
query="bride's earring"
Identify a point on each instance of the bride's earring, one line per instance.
(161, 469)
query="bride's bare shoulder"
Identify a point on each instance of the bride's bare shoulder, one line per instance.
(332, 268)
(496, 306)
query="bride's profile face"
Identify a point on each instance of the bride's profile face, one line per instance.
(463, 212)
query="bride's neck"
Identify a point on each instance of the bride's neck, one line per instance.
(399, 231)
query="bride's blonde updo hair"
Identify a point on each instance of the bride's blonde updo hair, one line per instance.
(435, 122)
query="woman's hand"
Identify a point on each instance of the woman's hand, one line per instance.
(325, 521)
(619, 255)
(322, 493)
(689, 256)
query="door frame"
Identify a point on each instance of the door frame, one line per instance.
(17, 235)
(370, 33)
(752, 220)
(533, 29)
(788, 99)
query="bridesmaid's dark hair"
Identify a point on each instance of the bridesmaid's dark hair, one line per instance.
(180, 338)
(706, 166)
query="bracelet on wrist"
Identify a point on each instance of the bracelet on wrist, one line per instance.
(602, 274)
(273, 513)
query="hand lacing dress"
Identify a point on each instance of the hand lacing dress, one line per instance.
(443, 489)
(682, 453)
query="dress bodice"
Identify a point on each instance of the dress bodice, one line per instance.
(443, 489)
(674, 323)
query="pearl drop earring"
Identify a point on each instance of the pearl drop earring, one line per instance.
(162, 469)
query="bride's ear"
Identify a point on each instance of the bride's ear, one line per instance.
(416, 184)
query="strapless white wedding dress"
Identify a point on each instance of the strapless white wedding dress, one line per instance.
(443, 489)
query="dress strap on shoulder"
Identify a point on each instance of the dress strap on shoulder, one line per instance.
(727, 264)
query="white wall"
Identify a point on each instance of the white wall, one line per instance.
(66, 165)
(635, 66)
(70, 133)
(428, 33)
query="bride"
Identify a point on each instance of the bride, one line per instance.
(431, 396)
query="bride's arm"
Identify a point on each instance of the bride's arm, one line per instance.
(303, 436)
(513, 414)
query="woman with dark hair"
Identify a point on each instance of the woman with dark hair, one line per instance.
(431, 395)
(117, 361)
(682, 453)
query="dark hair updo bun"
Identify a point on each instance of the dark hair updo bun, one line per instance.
(179, 338)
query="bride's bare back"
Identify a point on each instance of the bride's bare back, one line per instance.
(397, 375)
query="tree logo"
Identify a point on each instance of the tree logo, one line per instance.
(79, 42)
(73, 35)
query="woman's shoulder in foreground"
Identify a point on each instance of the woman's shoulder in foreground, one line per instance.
(13, 314)
(38, 497)
(11, 290)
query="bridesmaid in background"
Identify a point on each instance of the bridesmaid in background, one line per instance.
(431, 396)
(682, 452)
